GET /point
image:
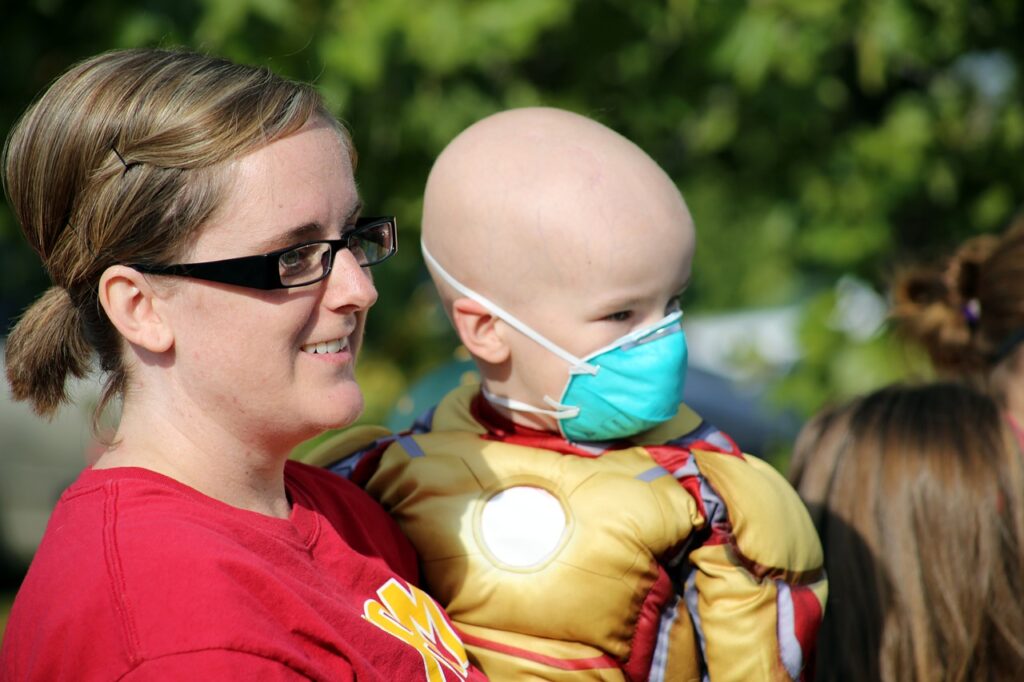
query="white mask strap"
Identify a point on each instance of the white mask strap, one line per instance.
(576, 365)
(560, 411)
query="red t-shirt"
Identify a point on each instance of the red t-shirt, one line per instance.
(140, 578)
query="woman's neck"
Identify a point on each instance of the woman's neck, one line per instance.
(204, 455)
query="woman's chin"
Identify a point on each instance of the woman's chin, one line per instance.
(343, 409)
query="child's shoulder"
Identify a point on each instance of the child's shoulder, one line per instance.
(338, 445)
(767, 520)
(345, 452)
(690, 431)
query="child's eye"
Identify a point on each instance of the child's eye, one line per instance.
(675, 304)
(620, 316)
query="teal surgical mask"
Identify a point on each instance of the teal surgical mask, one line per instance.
(630, 385)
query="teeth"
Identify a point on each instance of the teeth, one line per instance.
(334, 346)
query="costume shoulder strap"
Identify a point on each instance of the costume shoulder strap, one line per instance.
(694, 429)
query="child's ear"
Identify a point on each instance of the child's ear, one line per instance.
(130, 303)
(476, 327)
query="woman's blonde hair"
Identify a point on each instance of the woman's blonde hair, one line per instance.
(918, 495)
(123, 160)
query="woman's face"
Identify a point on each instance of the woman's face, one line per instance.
(244, 357)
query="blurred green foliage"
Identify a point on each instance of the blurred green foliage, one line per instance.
(811, 138)
(5, 611)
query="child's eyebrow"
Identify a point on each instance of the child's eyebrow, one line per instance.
(623, 303)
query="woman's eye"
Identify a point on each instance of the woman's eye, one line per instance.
(291, 260)
(300, 259)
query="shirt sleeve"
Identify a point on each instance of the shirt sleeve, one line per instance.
(756, 586)
(222, 664)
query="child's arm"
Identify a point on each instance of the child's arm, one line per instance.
(756, 586)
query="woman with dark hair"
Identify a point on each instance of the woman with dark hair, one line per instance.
(918, 495)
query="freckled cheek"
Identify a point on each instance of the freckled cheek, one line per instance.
(232, 332)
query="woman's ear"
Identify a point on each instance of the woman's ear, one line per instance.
(133, 308)
(476, 327)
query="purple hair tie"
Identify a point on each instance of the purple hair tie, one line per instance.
(972, 312)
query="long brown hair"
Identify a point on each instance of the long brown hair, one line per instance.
(918, 495)
(122, 160)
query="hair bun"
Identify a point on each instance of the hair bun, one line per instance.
(963, 273)
(958, 312)
(930, 307)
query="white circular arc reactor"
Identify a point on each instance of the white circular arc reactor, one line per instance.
(522, 526)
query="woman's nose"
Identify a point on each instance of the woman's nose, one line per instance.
(349, 285)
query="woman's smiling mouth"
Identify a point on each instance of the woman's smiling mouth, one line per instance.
(324, 347)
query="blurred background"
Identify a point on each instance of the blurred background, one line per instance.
(820, 144)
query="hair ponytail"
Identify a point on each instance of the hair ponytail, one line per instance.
(45, 346)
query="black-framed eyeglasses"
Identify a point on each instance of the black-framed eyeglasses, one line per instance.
(371, 241)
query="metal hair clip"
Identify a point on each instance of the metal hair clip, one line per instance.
(127, 166)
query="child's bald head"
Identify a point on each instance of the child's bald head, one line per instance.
(535, 198)
(565, 225)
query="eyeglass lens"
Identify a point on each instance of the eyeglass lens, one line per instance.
(309, 263)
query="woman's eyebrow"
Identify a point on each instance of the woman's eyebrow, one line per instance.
(353, 214)
(302, 233)
(306, 232)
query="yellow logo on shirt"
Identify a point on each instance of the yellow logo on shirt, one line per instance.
(408, 613)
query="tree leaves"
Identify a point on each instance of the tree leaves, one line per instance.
(811, 138)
